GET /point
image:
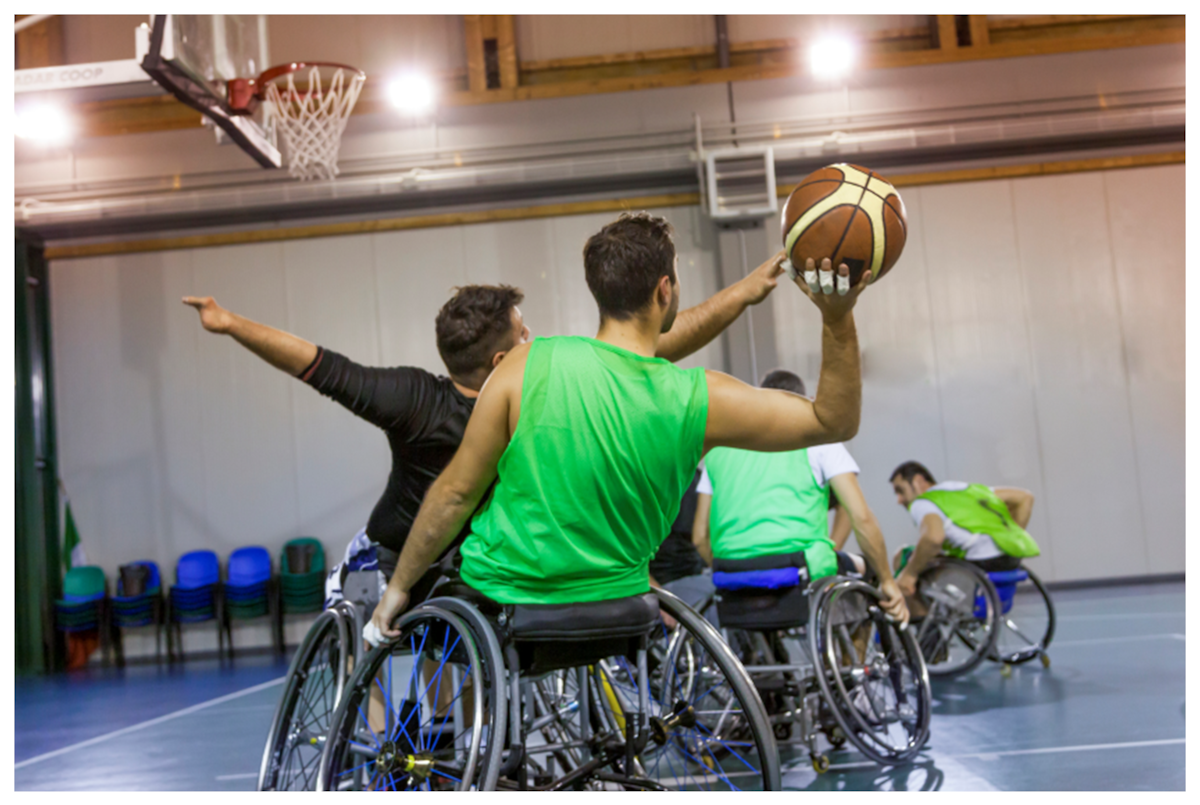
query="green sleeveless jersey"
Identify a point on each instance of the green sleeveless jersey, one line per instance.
(605, 446)
(768, 503)
(978, 510)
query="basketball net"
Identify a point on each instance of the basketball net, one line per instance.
(312, 121)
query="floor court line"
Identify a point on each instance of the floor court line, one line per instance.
(1171, 636)
(243, 776)
(152, 722)
(1120, 615)
(1049, 750)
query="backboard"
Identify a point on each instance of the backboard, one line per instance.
(192, 56)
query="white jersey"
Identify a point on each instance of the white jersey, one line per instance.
(977, 546)
(826, 460)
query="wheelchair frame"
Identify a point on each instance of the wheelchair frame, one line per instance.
(614, 730)
(813, 691)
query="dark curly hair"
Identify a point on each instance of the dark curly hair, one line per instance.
(625, 260)
(911, 469)
(474, 325)
(783, 379)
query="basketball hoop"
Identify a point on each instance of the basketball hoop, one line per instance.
(311, 120)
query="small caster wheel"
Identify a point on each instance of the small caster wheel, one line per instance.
(1006, 670)
(837, 738)
(1045, 660)
(820, 764)
(783, 732)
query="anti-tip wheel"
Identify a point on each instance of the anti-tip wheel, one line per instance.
(820, 764)
(1006, 670)
(1045, 660)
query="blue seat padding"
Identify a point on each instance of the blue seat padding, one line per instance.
(197, 569)
(249, 566)
(1008, 576)
(776, 579)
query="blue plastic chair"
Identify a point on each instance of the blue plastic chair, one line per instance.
(195, 598)
(138, 609)
(250, 592)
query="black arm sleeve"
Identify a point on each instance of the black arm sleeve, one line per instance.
(387, 398)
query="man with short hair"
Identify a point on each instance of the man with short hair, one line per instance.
(591, 442)
(755, 505)
(983, 525)
(424, 415)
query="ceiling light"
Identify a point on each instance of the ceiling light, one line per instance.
(832, 56)
(412, 92)
(43, 123)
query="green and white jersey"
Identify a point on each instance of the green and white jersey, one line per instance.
(772, 503)
(978, 525)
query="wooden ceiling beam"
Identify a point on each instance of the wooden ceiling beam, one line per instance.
(764, 60)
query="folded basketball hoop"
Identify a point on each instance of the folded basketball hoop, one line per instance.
(311, 118)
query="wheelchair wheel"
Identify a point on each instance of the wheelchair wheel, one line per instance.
(709, 730)
(1028, 627)
(314, 685)
(870, 671)
(961, 627)
(416, 714)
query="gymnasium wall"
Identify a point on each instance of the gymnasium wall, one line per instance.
(1032, 335)
(1019, 341)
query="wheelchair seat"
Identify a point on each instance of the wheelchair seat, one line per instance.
(1005, 582)
(551, 637)
(764, 593)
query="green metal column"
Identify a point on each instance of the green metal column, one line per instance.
(38, 571)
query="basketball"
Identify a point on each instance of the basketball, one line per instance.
(849, 214)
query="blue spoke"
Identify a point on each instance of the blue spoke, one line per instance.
(356, 768)
(437, 678)
(720, 773)
(449, 710)
(368, 723)
(447, 776)
(727, 745)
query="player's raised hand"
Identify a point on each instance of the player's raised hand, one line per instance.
(831, 291)
(759, 283)
(215, 318)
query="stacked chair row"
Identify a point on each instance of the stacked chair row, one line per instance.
(249, 591)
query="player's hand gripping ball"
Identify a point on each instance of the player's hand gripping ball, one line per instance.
(849, 214)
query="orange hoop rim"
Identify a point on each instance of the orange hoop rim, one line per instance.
(271, 73)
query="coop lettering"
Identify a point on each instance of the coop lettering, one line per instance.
(64, 75)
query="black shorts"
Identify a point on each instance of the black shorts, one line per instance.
(997, 564)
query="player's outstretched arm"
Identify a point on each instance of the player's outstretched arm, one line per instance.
(770, 420)
(870, 541)
(282, 350)
(1018, 501)
(458, 490)
(697, 326)
(933, 535)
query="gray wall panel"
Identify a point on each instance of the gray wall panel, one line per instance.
(341, 463)
(1146, 224)
(1071, 311)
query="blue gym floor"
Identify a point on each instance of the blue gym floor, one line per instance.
(1108, 714)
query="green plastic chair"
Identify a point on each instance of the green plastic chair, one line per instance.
(85, 583)
(304, 591)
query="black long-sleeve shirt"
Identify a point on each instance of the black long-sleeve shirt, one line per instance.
(424, 417)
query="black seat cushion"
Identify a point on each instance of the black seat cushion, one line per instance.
(618, 617)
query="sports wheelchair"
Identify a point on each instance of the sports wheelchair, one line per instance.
(474, 695)
(314, 684)
(1003, 616)
(825, 658)
(317, 677)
